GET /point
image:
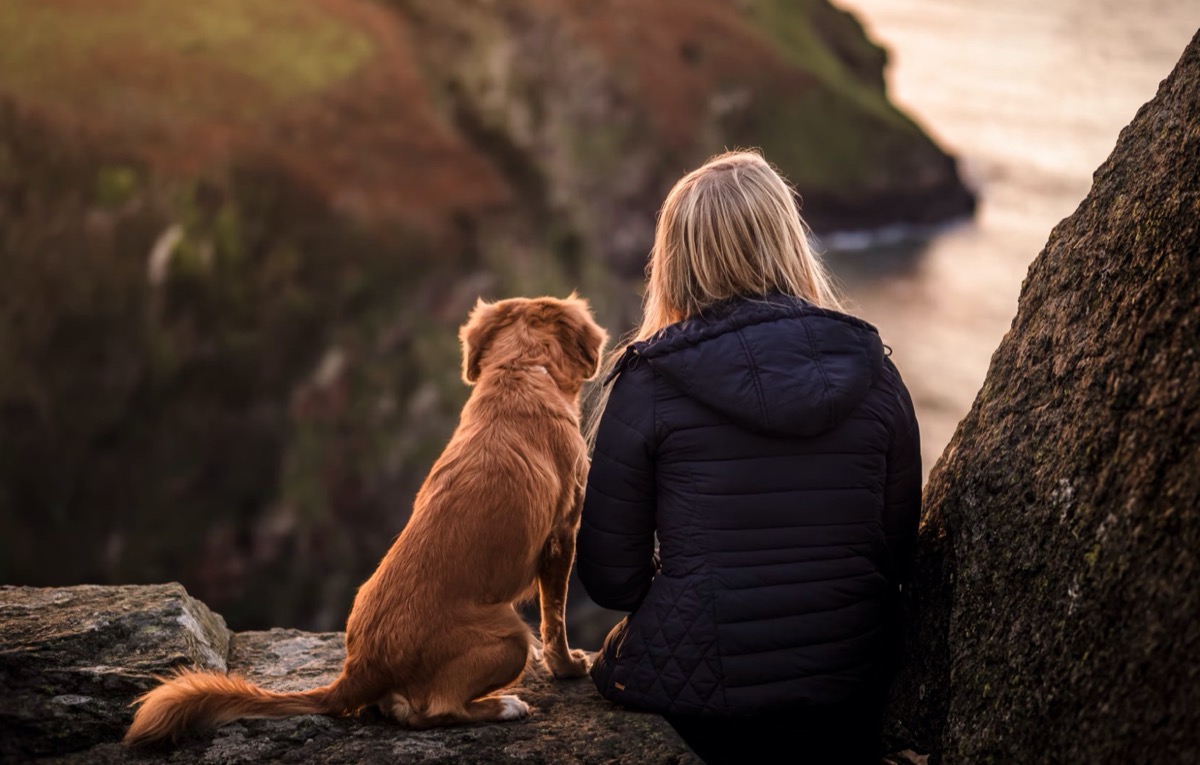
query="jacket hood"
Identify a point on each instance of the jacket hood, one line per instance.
(776, 365)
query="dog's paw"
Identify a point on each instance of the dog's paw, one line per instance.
(576, 664)
(512, 708)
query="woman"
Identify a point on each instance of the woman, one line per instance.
(766, 440)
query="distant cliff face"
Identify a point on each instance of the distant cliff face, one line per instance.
(592, 111)
(236, 239)
(1056, 600)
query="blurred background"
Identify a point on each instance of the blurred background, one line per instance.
(237, 237)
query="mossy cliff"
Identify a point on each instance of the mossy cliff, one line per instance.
(1056, 600)
(236, 240)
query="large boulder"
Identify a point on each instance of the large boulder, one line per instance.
(73, 659)
(1056, 598)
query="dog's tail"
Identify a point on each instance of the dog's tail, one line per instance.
(193, 700)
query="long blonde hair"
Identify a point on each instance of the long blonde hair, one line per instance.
(729, 228)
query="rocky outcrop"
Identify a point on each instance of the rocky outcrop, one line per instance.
(72, 660)
(1056, 602)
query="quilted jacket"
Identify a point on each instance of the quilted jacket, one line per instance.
(770, 449)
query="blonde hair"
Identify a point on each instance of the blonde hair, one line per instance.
(730, 228)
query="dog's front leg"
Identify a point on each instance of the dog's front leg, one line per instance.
(554, 570)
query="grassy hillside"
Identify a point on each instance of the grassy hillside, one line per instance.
(165, 62)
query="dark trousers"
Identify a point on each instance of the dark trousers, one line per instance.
(841, 734)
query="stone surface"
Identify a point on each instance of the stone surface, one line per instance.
(72, 660)
(1056, 595)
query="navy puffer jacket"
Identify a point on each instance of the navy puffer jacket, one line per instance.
(772, 449)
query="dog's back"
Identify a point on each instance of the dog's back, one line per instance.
(483, 513)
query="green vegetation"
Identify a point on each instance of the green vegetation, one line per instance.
(844, 133)
(149, 60)
(827, 144)
(842, 68)
(115, 185)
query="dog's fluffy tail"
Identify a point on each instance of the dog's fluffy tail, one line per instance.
(193, 700)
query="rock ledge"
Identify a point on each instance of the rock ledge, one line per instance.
(72, 659)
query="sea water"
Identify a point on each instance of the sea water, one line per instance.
(1031, 96)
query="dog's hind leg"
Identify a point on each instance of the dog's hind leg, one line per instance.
(497, 708)
(464, 684)
(487, 709)
(501, 708)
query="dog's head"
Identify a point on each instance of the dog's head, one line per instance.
(560, 335)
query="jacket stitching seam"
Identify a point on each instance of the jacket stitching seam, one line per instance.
(659, 429)
(758, 388)
(709, 575)
(816, 359)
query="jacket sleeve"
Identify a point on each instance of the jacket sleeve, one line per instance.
(615, 546)
(902, 492)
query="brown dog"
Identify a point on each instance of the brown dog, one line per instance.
(433, 633)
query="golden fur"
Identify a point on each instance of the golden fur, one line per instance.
(433, 633)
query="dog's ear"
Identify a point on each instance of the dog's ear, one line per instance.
(475, 336)
(582, 338)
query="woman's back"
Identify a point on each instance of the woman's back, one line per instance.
(772, 448)
(765, 439)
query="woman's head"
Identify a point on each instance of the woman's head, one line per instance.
(730, 228)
